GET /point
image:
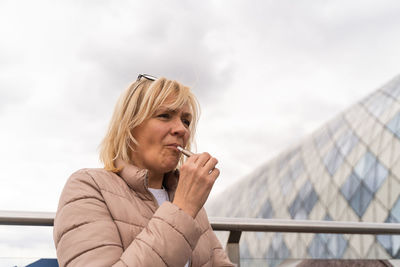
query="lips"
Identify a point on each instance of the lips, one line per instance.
(174, 146)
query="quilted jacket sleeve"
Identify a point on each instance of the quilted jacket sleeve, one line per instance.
(219, 255)
(86, 235)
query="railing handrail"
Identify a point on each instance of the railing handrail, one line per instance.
(302, 226)
(32, 218)
(235, 224)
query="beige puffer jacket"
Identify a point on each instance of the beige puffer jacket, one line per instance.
(105, 219)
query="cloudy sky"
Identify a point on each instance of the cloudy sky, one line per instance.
(267, 73)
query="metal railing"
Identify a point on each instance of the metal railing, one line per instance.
(27, 218)
(236, 226)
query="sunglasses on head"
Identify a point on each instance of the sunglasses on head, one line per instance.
(146, 76)
(139, 77)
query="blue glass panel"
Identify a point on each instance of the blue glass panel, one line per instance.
(324, 237)
(301, 214)
(318, 247)
(369, 179)
(360, 200)
(286, 183)
(392, 243)
(283, 252)
(277, 251)
(359, 168)
(327, 217)
(350, 186)
(244, 250)
(277, 241)
(337, 245)
(305, 191)
(342, 244)
(304, 202)
(270, 253)
(310, 201)
(347, 142)
(381, 171)
(286, 188)
(386, 242)
(378, 103)
(395, 245)
(266, 210)
(375, 177)
(364, 165)
(391, 219)
(294, 207)
(395, 212)
(394, 124)
(333, 159)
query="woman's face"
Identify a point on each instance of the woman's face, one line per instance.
(158, 138)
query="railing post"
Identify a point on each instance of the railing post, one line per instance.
(232, 247)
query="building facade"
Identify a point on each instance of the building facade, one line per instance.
(348, 170)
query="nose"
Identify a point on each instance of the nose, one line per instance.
(178, 128)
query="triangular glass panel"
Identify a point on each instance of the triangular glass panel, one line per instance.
(350, 186)
(317, 248)
(360, 200)
(310, 202)
(386, 242)
(395, 245)
(364, 165)
(394, 124)
(375, 177)
(337, 245)
(395, 212)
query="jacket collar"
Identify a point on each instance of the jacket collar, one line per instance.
(137, 179)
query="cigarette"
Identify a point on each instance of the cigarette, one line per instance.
(185, 152)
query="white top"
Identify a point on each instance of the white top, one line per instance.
(161, 195)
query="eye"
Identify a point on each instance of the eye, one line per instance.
(164, 115)
(186, 122)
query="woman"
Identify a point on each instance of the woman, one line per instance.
(140, 210)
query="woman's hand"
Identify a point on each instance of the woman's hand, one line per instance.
(197, 177)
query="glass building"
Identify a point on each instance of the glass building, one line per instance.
(348, 170)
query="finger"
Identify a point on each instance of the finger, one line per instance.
(203, 159)
(214, 174)
(193, 158)
(211, 163)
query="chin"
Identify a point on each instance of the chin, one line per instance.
(170, 166)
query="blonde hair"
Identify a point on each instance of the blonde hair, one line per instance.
(136, 104)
